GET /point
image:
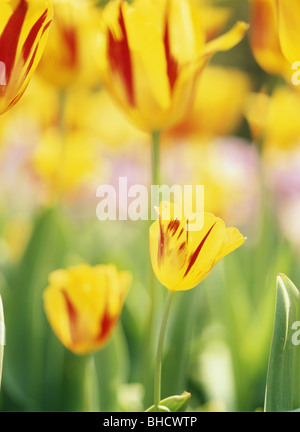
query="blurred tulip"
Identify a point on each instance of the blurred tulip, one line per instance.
(70, 56)
(152, 55)
(256, 112)
(99, 114)
(264, 38)
(24, 29)
(289, 28)
(275, 118)
(180, 258)
(64, 166)
(218, 106)
(83, 304)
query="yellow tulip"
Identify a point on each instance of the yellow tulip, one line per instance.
(182, 258)
(275, 119)
(217, 109)
(24, 29)
(214, 18)
(289, 28)
(69, 55)
(83, 304)
(152, 55)
(63, 166)
(264, 38)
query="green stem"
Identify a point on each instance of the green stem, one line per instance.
(90, 385)
(149, 333)
(157, 380)
(155, 158)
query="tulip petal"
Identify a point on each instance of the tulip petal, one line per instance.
(264, 37)
(187, 37)
(233, 240)
(227, 40)
(149, 60)
(22, 40)
(289, 28)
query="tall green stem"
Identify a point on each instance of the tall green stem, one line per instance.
(90, 385)
(149, 336)
(155, 158)
(157, 380)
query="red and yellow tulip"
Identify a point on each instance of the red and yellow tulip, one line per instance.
(83, 304)
(70, 55)
(152, 55)
(264, 37)
(24, 26)
(182, 258)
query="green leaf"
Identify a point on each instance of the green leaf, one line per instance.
(283, 378)
(2, 337)
(33, 355)
(176, 403)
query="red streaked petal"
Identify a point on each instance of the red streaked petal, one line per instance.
(73, 317)
(172, 65)
(10, 37)
(107, 323)
(29, 42)
(195, 255)
(173, 226)
(120, 58)
(161, 245)
(25, 74)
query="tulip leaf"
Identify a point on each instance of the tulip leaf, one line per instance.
(176, 403)
(38, 348)
(283, 378)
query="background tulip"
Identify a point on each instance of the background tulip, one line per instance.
(83, 305)
(289, 28)
(70, 52)
(152, 55)
(264, 38)
(24, 29)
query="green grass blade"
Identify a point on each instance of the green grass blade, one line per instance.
(283, 378)
(2, 337)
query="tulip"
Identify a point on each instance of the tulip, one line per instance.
(218, 105)
(289, 28)
(182, 258)
(83, 305)
(152, 55)
(275, 119)
(69, 55)
(264, 38)
(24, 27)
(64, 166)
